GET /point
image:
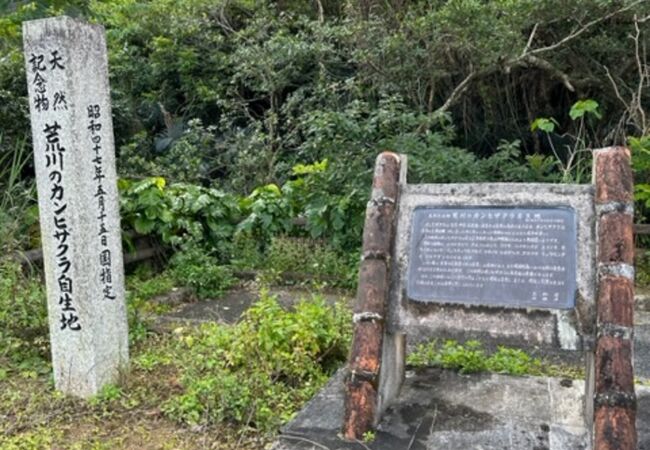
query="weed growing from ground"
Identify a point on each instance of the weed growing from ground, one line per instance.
(470, 357)
(258, 372)
(23, 320)
(197, 269)
(145, 285)
(642, 270)
(310, 257)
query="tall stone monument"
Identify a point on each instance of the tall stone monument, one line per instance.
(74, 157)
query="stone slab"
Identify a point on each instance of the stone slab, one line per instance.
(642, 345)
(74, 158)
(514, 257)
(643, 417)
(439, 409)
(563, 329)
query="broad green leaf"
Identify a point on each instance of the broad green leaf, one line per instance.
(582, 107)
(547, 125)
(143, 226)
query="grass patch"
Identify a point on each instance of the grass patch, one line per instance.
(471, 357)
(146, 285)
(642, 270)
(24, 344)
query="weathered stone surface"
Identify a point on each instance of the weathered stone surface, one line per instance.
(440, 409)
(616, 239)
(559, 329)
(643, 417)
(373, 276)
(616, 301)
(642, 346)
(524, 324)
(434, 402)
(74, 155)
(613, 175)
(614, 365)
(615, 429)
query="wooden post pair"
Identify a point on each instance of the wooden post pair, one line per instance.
(614, 397)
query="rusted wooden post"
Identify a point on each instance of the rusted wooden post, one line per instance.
(361, 402)
(614, 397)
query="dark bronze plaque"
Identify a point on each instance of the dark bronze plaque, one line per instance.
(501, 256)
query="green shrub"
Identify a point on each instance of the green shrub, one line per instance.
(23, 315)
(184, 153)
(467, 358)
(311, 257)
(146, 284)
(267, 212)
(180, 213)
(140, 288)
(513, 361)
(259, 372)
(247, 252)
(641, 163)
(238, 92)
(194, 268)
(18, 210)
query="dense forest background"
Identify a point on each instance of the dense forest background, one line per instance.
(286, 103)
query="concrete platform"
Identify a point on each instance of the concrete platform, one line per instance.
(443, 410)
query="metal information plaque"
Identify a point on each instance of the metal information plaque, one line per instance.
(500, 256)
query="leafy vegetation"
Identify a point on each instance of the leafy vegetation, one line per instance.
(179, 214)
(195, 269)
(260, 230)
(23, 321)
(575, 161)
(18, 215)
(233, 94)
(258, 371)
(470, 357)
(239, 381)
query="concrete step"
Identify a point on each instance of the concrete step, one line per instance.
(441, 409)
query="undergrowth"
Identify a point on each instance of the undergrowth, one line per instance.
(202, 272)
(311, 259)
(642, 270)
(23, 321)
(258, 372)
(238, 382)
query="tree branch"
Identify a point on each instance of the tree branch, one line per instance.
(584, 28)
(530, 40)
(530, 60)
(530, 57)
(456, 93)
